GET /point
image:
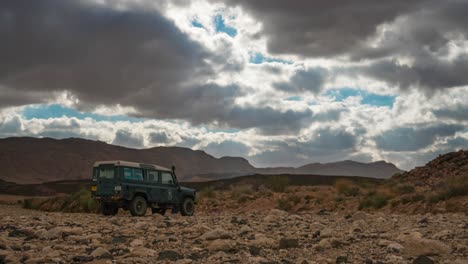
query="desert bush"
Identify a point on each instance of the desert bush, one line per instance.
(417, 197)
(295, 199)
(80, 201)
(395, 203)
(347, 188)
(375, 200)
(239, 191)
(284, 204)
(405, 189)
(207, 192)
(278, 183)
(339, 199)
(453, 189)
(405, 200)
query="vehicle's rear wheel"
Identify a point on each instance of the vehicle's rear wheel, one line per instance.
(161, 211)
(109, 209)
(138, 206)
(187, 207)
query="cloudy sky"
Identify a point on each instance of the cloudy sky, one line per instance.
(281, 83)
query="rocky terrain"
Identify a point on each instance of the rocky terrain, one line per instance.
(270, 236)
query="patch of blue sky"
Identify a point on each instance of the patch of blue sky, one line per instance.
(258, 58)
(46, 111)
(197, 24)
(220, 26)
(367, 98)
(294, 98)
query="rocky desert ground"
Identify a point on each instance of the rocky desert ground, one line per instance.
(270, 236)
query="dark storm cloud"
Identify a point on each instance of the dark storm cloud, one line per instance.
(311, 80)
(322, 28)
(412, 139)
(428, 74)
(104, 56)
(269, 120)
(100, 54)
(421, 30)
(131, 57)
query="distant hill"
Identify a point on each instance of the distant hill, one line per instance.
(34, 160)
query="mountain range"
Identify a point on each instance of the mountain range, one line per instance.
(36, 160)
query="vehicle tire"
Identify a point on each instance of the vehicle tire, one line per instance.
(138, 206)
(109, 209)
(161, 211)
(187, 207)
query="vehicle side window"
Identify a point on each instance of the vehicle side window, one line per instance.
(153, 176)
(133, 174)
(166, 178)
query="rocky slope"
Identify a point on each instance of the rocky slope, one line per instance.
(33, 160)
(436, 173)
(272, 236)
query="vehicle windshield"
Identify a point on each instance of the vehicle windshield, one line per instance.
(106, 172)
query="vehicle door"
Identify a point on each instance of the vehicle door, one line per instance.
(106, 176)
(169, 186)
(156, 190)
(133, 181)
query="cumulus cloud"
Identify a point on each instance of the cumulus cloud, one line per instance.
(128, 139)
(414, 138)
(311, 80)
(227, 148)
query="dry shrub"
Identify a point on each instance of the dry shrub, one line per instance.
(278, 183)
(347, 187)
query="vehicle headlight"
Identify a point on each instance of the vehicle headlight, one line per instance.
(118, 188)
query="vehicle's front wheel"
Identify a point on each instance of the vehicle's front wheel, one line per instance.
(187, 207)
(138, 206)
(109, 209)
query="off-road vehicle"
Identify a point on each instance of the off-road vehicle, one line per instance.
(137, 186)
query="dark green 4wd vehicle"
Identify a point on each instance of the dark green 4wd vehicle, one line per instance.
(135, 187)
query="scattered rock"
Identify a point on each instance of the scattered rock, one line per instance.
(423, 260)
(169, 255)
(216, 234)
(342, 260)
(394, 248)
(288, 242)
(245, 230)
(83, 258)
(359, 215)
(326, 232)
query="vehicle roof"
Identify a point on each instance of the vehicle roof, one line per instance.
(131, 164)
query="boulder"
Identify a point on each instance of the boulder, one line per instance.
(416, 245)
(220, 245)
(101, 252)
